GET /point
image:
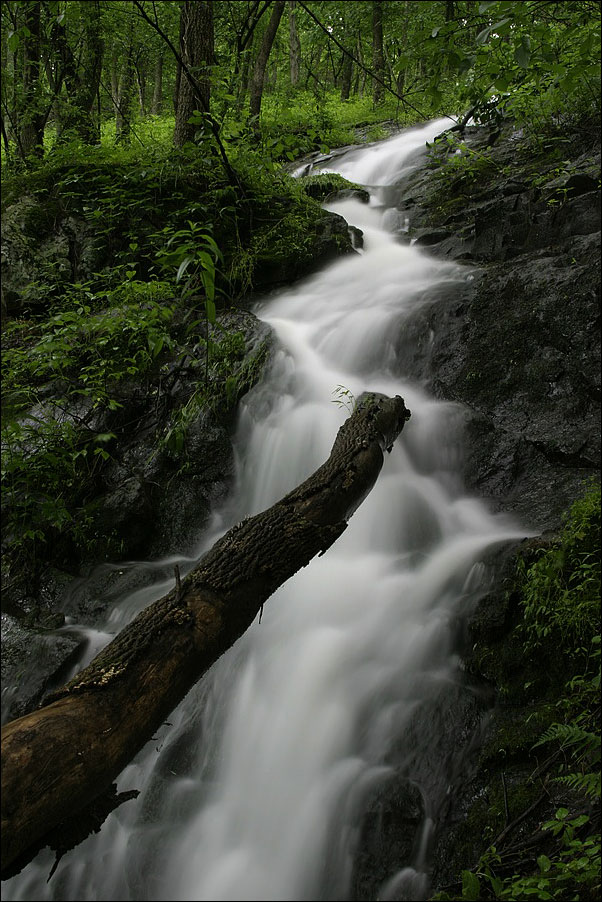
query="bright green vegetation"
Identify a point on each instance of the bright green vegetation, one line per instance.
(90, 69)
(557, 637)
(142, 248)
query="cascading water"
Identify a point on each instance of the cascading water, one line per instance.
(257, 787)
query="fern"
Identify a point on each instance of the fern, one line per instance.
(586, 784)
(571, 735)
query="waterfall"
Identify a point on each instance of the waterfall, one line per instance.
(256, 788)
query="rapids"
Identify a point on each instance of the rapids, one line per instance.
(256, 788)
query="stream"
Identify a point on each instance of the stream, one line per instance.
(258, 786)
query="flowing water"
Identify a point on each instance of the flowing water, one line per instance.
(256, 788)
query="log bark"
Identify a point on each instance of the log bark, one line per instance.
(59, 761)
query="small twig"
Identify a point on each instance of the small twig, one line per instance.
(176, 571)
(545, 764)
(506, 809)
(518, 819)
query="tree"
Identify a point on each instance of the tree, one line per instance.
(261, 62)
(157, 101)
(81, 73)
(61, 759)
(378, 60)
(123, 123)
(197, 51)
(294, 44)
(29, 115)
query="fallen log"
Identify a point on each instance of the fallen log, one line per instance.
(60, 760)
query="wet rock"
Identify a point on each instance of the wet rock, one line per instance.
(389, 833)
(284, 262)
(426, 237)
(518, 339)
(31, 660)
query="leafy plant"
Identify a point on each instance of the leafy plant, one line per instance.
(561, 590)
(560, 620)
(193, 253)
(344, 398)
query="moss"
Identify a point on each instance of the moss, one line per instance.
(325, 185)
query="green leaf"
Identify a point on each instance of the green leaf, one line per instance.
(470, 887)
(210, 308)
(183, 267)
(483, 35)
(522, 52)
(208, 278)
(157, 346)
(544, 864)
(496, 885)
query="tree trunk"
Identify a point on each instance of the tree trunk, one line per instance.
(360, 75)
(346, 73)
(256, 88)
(114, 82)
(31, 119)
(59, 761)
(123, 125)
(197, 53)
(82, 77)
(294, 44)
(378, 61)
(157, 101)
(141, 84)
(400, 81)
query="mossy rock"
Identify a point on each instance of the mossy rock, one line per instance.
(328, 186)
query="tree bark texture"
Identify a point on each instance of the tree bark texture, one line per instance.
(346, 73)
(378, 60)
(294, 44)
(197, 51)
(123, 124)
(82, 76)
(261, 62)
(157, 101)
(31, 116)
(60, 760)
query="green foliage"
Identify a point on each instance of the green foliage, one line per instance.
(228, 377)
(94, 342)
(458, 166)
(560, 602)
(574, 869)
(60, 376)
(561, 590)
(193, 254)
(321, 185)
(344, 397)
(541, 64)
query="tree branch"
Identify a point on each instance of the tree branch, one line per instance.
(60, 759)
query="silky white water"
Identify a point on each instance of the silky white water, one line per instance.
(256, 788)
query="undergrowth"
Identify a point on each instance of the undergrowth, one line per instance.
(560, 603)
